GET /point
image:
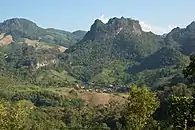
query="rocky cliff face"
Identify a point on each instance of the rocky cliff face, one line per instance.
(115, 26)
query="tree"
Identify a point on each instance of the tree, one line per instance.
(140, 107)
(182, 112)
(182, 107)
(189, 71)
(13, 116)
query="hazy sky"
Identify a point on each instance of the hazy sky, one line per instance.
(157, 15)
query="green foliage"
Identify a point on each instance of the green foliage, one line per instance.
(114, 73)
(183, 38)
(119, 52)
(189, 71)
(182, 111)
(79, 34)
(116, 53)
(23, 28)
(91, 117)
(48, 78)
(182, 104)
(46, 98)
(46, 118)
(141, 105)
(22, 61)
(164, 57)
(14, 116)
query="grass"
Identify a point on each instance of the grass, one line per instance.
(55, 76)
(93, 98)
(10, 87)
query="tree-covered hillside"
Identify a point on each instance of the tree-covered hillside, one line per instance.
(116, 77)
(20, 28)
(121, 52)
(118, 53)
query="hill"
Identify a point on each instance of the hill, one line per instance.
(116, 53)
(27, 50)
(53, 79)
(120, 52)
(20, 28)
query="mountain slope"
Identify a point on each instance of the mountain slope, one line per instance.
(20, 28)
(184, 38)
(29, 52)
(79, 34)
(121, 40)
(120, 52)
(165, 57)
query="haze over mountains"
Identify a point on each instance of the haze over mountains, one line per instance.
(118, 52)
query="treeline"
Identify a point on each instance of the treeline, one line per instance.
(27, 107)
(141, 110)
(130, 114)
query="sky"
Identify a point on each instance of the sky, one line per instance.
(158, 16)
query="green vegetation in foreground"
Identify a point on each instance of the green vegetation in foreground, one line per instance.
(31, 107)
(36, 108)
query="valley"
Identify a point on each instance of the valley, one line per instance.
(114, 76)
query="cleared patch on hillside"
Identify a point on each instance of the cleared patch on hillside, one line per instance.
(5, 40)
(10, 87)
(43, 45)
(93, 98)
(62, 49)
(31, 42)
(37, 44)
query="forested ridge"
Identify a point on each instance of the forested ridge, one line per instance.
(115, 76)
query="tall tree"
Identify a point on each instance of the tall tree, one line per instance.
(141, 105)
(189, 71)
(182, 112)
(13, 116)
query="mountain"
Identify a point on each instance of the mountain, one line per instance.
(120, 41)
(184, 38)
(120, 52)
(20, 28)
(79, 34)
(28, 51)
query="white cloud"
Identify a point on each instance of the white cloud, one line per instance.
(103, 18)
(156, 29)
(145, 27)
